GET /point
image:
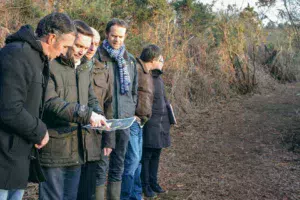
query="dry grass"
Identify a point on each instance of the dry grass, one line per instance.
(236, 151)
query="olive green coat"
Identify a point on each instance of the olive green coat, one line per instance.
(70, 101)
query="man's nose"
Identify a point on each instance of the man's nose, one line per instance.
(92, 48)
(81, 51)
(63, 52)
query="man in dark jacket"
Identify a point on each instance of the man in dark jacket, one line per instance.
(70, 103)
(113, 54)
(156, 132)
(24, 73)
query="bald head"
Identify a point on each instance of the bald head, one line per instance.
(96, 34)
(94, 45)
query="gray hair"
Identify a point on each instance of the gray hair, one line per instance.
(56, 23)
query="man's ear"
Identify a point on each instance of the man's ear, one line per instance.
(51, 38)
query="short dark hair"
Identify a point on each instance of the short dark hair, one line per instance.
(150, 52)
(116, 21)
(57, 23)
(83, 28)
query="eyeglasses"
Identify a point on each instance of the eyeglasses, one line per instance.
(161, 60)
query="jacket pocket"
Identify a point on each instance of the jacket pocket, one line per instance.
(101, 85)
(13, 143)
(38, 78)
(60, 145)
(18, 146)
(92, 142)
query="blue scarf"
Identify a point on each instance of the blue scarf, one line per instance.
(118, 54)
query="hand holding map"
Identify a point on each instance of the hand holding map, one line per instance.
(114, 124)
(98, 120)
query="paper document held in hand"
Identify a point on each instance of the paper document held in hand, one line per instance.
(115, 124)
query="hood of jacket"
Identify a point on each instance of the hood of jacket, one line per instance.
(25, 34)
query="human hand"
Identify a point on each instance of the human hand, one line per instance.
(44, 141)
(107, 151)
(97, 120)
(138, 120)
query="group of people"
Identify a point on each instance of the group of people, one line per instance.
(57, 79)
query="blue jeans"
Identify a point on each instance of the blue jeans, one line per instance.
(131, 183)
(62, 183)
(117, 156)
(11, 194)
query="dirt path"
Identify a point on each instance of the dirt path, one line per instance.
(245, 149)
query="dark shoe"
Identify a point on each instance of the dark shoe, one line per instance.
(148, 192)
(156, 188)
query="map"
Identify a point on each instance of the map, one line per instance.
(115, 124)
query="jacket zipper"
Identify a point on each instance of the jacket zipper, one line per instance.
(79, 125)
(163, 111)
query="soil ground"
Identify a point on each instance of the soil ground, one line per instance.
(244, 149)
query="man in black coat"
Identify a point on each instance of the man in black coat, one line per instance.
(24, 73)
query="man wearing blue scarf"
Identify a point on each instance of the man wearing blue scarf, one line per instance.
(113, 54)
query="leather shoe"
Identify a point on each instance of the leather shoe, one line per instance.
(156, 188)
(148, 192)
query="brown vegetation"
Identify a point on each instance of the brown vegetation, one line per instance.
(208, 56)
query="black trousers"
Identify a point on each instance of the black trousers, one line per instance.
(87, 185)
(150, 164)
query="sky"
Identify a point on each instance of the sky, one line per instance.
(222, 4)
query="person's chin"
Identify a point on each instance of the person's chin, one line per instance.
(77, 57)
(89, 57)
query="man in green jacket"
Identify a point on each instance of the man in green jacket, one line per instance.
(70, 103)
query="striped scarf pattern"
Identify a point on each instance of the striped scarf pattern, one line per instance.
(118, 54)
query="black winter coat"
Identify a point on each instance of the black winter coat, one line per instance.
(156, 132)
(24, 73)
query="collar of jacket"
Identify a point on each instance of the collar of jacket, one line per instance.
(156, 72)
(98, 64)
(146, 71)
(104, 56)
(70, 63)
(65, 61)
